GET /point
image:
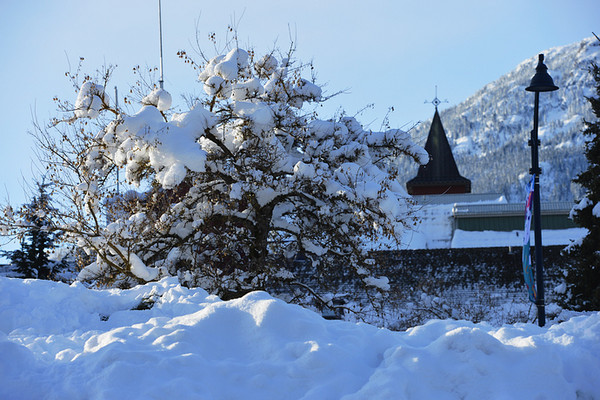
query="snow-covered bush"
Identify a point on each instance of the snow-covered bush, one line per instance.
(231, 190)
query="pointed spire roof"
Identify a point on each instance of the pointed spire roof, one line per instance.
(441, 174)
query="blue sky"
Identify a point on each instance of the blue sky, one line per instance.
(386, 53)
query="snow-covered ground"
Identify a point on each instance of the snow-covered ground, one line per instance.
(69, 342)
(550, 237)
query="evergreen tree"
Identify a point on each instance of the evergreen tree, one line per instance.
(583, 276)
(31, 260)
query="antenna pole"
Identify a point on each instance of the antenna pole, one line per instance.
(117, 107)
(160, 81)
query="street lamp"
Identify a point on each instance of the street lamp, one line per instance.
(541, 82)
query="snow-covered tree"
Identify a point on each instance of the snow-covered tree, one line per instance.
(32, 224)
(231, 190)
(583, 276)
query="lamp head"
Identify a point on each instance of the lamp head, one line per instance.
(541, 81)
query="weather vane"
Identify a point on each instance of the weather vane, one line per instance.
(436, 102)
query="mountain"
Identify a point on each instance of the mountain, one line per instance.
(489, 131)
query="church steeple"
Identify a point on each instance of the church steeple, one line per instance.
(440, 175)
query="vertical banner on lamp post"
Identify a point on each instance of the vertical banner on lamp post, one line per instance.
(527, 267)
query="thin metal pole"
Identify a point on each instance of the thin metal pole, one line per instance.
(117, 107)
(161, 80)
(537, 215)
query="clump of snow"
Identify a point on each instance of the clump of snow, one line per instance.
(232, 63)
(217, 86)
(580, 205)
(382, 283)
(247, 90)
(89, 100)
(303, 170)
(227, 67)
(90, 271)
(171, 148)
(561, 289)
(266, 66)
(158, 98)
(260, 114)
(596, 210)
(306, 91)
(69, 342)
(140, 270)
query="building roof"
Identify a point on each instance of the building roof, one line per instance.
(459, 198)
(441, 169)
(510, 217)
(508, 209)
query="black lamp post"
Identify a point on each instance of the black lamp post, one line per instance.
(541, 82)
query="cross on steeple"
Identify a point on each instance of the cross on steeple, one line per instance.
(436, 102)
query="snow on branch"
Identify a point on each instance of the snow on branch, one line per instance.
(89, 100)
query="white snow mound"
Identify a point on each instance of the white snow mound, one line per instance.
(69, 342)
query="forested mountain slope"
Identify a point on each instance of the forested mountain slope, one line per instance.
(489, 131)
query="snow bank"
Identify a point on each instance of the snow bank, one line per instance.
(68, 342)
(550, 237)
